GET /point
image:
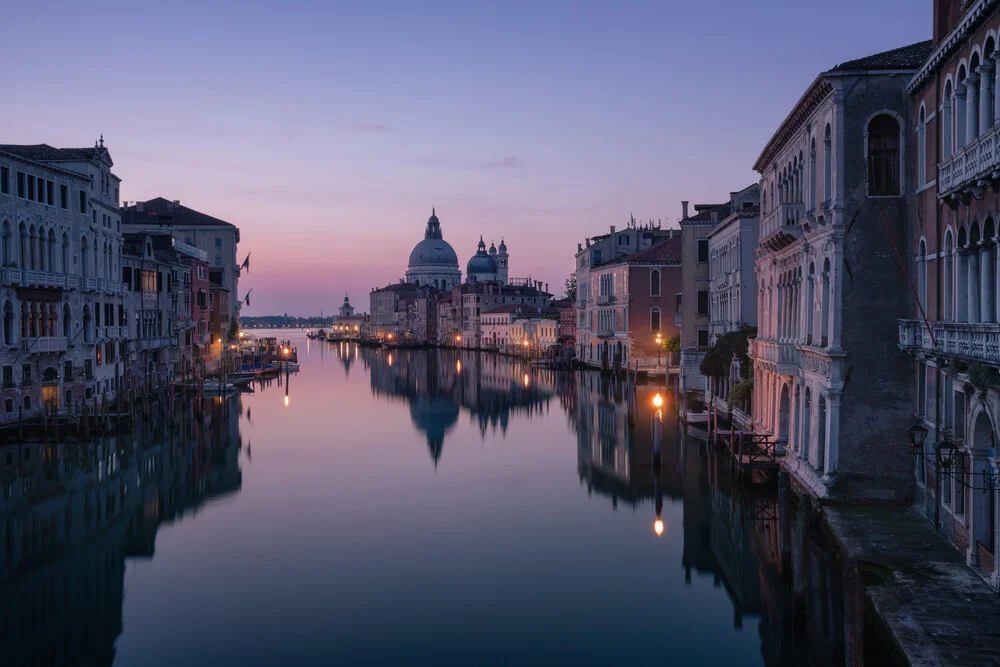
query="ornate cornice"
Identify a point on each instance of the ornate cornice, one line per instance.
(807, 104)
(952, 41)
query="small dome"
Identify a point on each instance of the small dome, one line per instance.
(493, 250)
(481, 263)
(503, 246)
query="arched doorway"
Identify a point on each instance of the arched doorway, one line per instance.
(983, 504)
(783, 405)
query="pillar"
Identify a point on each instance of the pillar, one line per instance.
(962, 285)
(971, 108)
(960, 115)
(986, 296)
(973, 284)
(985, 72)
(996, 280)
(837, 291)
(832, 430)
(996, 88)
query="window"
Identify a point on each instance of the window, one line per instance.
(26, 374)
(654, 282)
(8, 376)
(921, 148)
(83, 202)
(702, 337)
(4, 180)
(9, 405)
(20, 184)
(63, 196)
(218, 260)
(960, 463)
(654, 319)
(49, 188)
(703, 302)
(31, 187)
(702, 250)
(68, 371)
(883, 156)
(218, 241)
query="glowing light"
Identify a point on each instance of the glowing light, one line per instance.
(390, 360)
(527, 380)
(657, 401)
(390, 336)
(458, 338)
(458, 366)
(286, 400)
(525, 343)
(218, 340)
(658, 527)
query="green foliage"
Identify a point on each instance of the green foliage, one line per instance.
(742, 393)
(234, 329)
(674, 344)
(720, 355)
(982, 376)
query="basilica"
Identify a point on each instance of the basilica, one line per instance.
(433, 262)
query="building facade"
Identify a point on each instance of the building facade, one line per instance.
(433, 261)
(830, 384)
(732, 247)
(61, 296)
(953, 262)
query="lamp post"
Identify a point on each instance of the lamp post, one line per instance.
(659, 345)
(657, 443)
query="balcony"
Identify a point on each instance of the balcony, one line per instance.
(156, 342)
(784, 356)
(605, 299)
(604, 333)
(961, 340)
(782, 225)
(970, 163)
(31, 278)
(105, 333)
(45, 345)
(89, 283)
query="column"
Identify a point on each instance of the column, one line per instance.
(985, 72)
(986, 296)
(961, 285)
(996, 281)
(960, 115)
(971, 108)
(996, 87)
(832, 431)
(973, 284)
(836, 287)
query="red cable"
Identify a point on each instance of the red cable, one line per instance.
(909, 282)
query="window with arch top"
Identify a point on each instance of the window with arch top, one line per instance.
(654, 282)
(654, 319)
(883, 156)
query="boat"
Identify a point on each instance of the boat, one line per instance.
(218, 388)
(242, 380)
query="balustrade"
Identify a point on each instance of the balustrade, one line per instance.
(972, 342)
(977, 159)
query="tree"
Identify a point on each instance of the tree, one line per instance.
(718, 358)
(673, 344)
(570, 287)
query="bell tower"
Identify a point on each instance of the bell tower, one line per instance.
(501, 260)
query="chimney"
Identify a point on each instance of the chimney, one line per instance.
(684, 208)
(612, 229)
(140, 206)
(177, 202)
(546, 287)
(579, 247)
(715, 217)
(588, 242)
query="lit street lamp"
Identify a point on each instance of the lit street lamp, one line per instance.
(659, 344)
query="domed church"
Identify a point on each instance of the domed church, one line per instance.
(486, 266)
(433, 262)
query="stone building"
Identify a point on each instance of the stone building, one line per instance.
(433, 261)
(597, 309)
(830, 384)
(488, 266)
(60, 288)
(732, 247)
(384, 308)
(216, 237)
(952, 246)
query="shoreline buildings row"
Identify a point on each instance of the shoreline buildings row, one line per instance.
(862, 271)
(98, 295)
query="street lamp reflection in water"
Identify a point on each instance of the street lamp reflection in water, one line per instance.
(458, 366)
(527, 380)
(286, 400)
(658, 526)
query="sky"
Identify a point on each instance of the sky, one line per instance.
(328, 130)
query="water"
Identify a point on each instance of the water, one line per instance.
(412, 508)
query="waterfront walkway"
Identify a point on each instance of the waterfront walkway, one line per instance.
(937, 610)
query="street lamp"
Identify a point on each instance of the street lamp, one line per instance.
(659, 344)
(918, 434)
(946, 453)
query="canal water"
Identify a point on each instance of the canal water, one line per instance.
(412, 507)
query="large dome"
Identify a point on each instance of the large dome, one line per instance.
(433, 252)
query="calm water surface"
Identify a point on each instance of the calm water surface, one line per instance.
(412, 508)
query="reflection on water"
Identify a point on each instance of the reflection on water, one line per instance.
(341, 545)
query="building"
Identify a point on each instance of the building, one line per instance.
(693, 298)
(152, 308)
(61, 296)
(346, 309)
(631, 303)
(216, 237)
(732, 247)
(593, 318)
(433, 261)
(830, 384)
(476, 298)
(488, 266)
(384, 308)
(220, 324)
(956, 112)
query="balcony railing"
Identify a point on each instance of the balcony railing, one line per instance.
(605, 299)
(44, 345)
(784, 355)
(105, 333)
(970, 162)
(156, 342)
(782, 217)
(973, 342)
(43, 279)
(89, 283)
(605, 333)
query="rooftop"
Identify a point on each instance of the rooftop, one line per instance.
(46, 153)
(903, 58)
(667, 251)
(162, 211)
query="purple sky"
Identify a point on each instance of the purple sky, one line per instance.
(328, 133)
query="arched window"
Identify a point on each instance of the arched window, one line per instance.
(921, 149)
(883, 156)
(65, 254)
(806, 424)
(947, 122)
(827, 165)
(825, 310)
(810, 304)
(922, 275)
(654, 282)
(84, 268)
(32, 248)
(654, 319)
(8, 324)
(812, 174)
(88, 336)
(960, 96)
(50, 247)
(6, 250)
(67, 323)
(949, 277)
(821, 434)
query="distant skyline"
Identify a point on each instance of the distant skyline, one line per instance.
(326, 132)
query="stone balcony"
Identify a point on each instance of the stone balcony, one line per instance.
(604, 333)
(971, 163)
(44, 345)
(105, 333)
(156, 342)
(605, 299)
(960, 340)
(783, 355)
